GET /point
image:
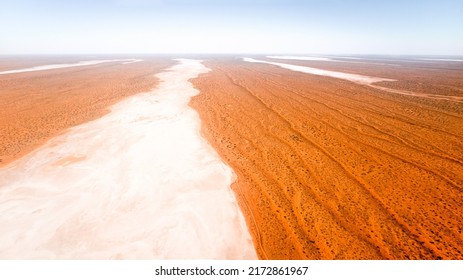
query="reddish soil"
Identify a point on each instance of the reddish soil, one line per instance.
(329, 169)
(38, 105)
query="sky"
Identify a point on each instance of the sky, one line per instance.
(394, 27)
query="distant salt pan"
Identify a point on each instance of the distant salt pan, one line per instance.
(314, 58)
(139, 183)
(404, 59)
(360, 79)
(64, 65)
(442, 59)
(132, 61)
(310, 58)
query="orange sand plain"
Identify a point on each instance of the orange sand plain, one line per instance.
(329, 169)
(41, 104)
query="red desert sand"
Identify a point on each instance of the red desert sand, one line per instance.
(41, 104)
(331, 169)
(326, 168)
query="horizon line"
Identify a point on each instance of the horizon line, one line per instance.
(230, 53)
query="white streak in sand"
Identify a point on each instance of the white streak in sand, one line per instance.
(68, 65)
(360, 79)
(139, 183)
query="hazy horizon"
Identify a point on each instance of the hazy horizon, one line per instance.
(420, 28)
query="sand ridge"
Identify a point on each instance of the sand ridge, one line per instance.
(328, 169)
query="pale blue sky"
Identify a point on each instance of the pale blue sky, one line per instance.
(254, 26)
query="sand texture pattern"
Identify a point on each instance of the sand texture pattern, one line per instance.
(331, 169)
(38, 105)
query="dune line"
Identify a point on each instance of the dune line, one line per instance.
(324, 174)
(138, 183)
